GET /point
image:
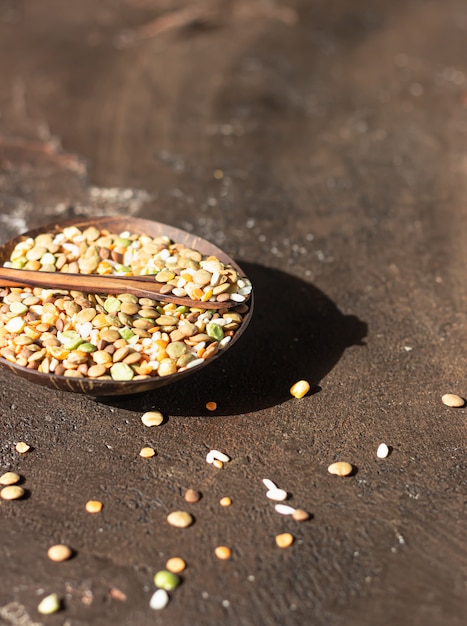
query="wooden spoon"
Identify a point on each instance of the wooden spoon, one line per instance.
(141, 286)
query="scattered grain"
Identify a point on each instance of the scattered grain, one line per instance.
(223, 552)
(9, 478)
(181, 519)
(211, 406)
(192, 496)
(277, 494)
(226, 501)
(152, 418)
(218, 464)
(213, 455)
(284, 540)
(159, 600)
(50, 604)
(382, 451)
(300, 515)
(453, 400)
(300, 388)
(147, 452)
(284, 509)
(59, 553)
(12, 492)
(22, 447)
(176, 565)
(166, 580)
(340, 468)
(93, 506)
(269, 484)
(117, 594)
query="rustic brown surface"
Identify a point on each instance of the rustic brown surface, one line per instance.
(341, 131)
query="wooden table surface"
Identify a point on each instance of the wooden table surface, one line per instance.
(323, 145)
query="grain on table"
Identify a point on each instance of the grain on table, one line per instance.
(152, 418)
(12, 492)
(159, 600)
(176, 565)
(147, 452)
(180, 519)
(93, 506)
(117, 594)
(9, 478)
(284, 509)
(340, 468)
(300, 515)
(223, 552)
(300, 388)
(192, 496)
(59, 552)
(164, 579)
(382, 451)
(284, 540)
(453, 400)
(277, 494)
(49, 605)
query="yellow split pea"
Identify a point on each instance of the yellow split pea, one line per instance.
(340, 468)
(223, 552)
(147, 452)
(175, 565)
(300, 389)
(284, 540)
(94, 506)
(22, 447)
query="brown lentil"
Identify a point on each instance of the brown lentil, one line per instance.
(192, 496)
(59, 553)
(117, 594)
(77, 335)
(300, 515)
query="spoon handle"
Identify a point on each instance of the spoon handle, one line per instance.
(143, 287)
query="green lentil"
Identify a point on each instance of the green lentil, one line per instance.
(215, 331)
(166, 580)
(121, 371)
(49, 605)
(112, 305)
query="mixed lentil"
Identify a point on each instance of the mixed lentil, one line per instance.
(119, 337)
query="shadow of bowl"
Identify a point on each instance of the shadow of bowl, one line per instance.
(296, 332)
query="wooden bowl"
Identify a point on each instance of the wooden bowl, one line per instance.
(117, 224)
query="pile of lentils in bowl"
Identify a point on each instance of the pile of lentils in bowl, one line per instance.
(120, 336)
